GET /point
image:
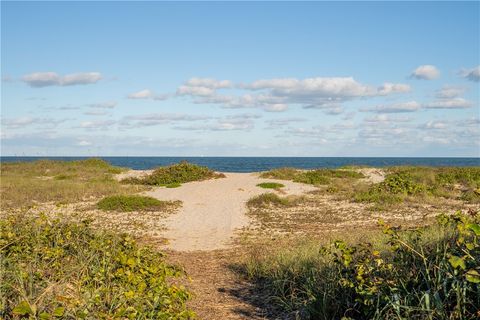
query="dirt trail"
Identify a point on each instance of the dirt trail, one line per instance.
(213, 210)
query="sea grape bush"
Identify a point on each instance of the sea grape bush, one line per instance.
(56, 269)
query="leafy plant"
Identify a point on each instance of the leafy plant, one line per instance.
(270, 185)
(127, 203)
(424, 273)
(176, 174)
(56, 269)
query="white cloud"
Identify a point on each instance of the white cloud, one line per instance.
(208, 83)
(147, 94)
(24, 122)
(45, 79)
(410, 106)
(434, 125)
(448, 92)
(277, 94)
(471, 74)
(103, 105)
(96, 113)
(221, 125)
(389, 88)
(84, 143)
(97, 125)
(384, 118)
(426, 72)
(455, 103)
(154, 119)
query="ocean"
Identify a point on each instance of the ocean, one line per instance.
(254, 164)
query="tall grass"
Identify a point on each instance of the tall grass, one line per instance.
(54, 269)
(429, 273)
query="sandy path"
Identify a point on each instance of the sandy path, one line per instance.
(213, 209)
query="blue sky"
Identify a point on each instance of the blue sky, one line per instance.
(240, 79)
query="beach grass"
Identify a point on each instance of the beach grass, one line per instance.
(128, 203)
(25, 184)
(53, 269)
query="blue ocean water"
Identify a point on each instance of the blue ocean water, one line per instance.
(254, 164)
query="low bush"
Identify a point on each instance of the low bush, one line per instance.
(270, 185)
(270, 199)
(410, 182)
(425, 273)
(127, 203)
(315, 177)
(54, 269)
(176, 174)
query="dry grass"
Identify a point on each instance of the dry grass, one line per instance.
(29, 183)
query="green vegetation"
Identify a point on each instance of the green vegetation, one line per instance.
(53, 269)
(408, 183)
(315, 177)
(24, 184)
(270, 185)
(128, 203)
(176, 174)
(271, 199)
(425, 273)
(173, 185)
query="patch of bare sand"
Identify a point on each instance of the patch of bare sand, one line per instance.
(373, 175)
(213, 210)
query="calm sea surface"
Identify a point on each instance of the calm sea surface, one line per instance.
(252, 164)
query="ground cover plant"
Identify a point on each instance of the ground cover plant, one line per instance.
(173, 175)
(423, 273)
(270, 185)
(271, 199)
(127, 203)
(314, 177)
(420, 183)
(24, 184)
(57, 269)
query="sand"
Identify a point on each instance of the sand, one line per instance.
(213, 210)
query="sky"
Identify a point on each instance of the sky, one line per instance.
(240, 79)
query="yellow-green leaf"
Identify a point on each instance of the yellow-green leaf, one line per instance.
(58, 312)
(22, 309)
(457, 262)
(472, 275)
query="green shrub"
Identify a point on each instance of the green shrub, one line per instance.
(315, 177)
(270, 185)
(173, 185)
(127, 203)
(54, 269)
(402, 182)
(175, 174)
(428, 273)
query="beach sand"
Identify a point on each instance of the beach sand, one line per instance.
(213, 210)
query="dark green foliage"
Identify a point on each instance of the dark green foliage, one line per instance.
(428, 273)
(175, 174)
(127, 203)
(270, 185)
(54, 269)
